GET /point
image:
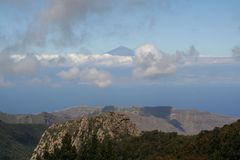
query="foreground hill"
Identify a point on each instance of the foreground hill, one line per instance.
(112, 125)
(17, 141)
(162, 118)
(113, 136)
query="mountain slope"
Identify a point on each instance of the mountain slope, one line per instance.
(17, 141)
(110, 124)
(219, 144)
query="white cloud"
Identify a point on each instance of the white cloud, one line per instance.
(18, 65)
(26, 66)
(74, 59)
(92, 76)
(98, 60)
(99, 78)
(147, 63)
(70, 74)
(151, 63)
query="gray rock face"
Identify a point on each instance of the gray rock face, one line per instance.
(113, 125)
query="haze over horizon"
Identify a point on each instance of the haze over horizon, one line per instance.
(61, 53)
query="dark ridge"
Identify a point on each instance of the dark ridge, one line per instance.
(176, 124)
(158, 111)
(121, 51)
(109, 108)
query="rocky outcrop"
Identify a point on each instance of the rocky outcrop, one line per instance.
(113, 125)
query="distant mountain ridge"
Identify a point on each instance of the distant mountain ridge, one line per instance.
(41, 118)
(163, 118)
(121, 51)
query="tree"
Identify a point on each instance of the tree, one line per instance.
(66, 152)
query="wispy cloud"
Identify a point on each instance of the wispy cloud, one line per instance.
(64, 23)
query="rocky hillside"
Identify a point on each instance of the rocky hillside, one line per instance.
(110, 124)
(162, 118)
(112, 136)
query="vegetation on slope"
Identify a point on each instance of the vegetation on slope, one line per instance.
(17, 141)
(219, 144)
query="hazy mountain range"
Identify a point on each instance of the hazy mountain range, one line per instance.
(20, 133)
(163, 118)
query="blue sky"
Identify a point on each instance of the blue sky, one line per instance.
(213, 27)
(55, 53)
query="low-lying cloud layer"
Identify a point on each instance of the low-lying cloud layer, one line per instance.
(74, 59)
(24, 66)
(89, 75)
(147, 63)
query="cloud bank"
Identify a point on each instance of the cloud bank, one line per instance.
(102, 70)
(151, 63)
(75, 59)
(90, 75)
(26, 65)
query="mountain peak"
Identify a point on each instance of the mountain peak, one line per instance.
(121, 51)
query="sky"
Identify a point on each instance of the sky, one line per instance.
(57, 53)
